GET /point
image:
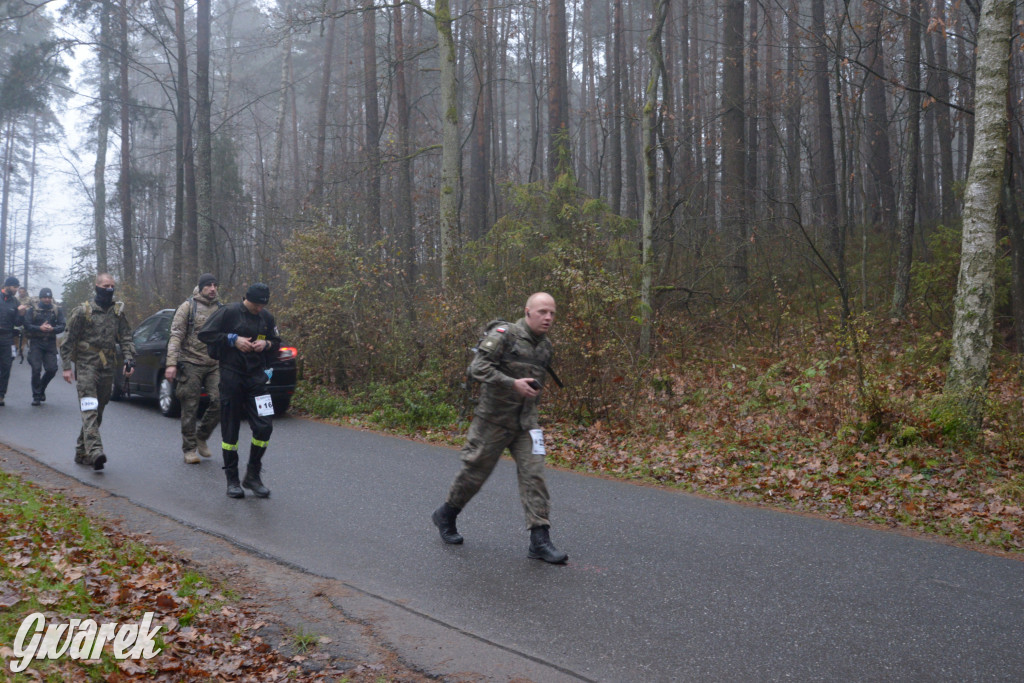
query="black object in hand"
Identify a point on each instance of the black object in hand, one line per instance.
(534, 384)
(129, 365)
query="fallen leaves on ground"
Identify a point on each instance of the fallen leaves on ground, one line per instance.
(67, 566)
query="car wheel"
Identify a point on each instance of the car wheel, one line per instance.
(281, 405)
(169, 405)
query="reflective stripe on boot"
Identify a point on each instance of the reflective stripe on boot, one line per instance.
(230, 453)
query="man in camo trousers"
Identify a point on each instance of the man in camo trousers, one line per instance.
(512, 364)
(93, 330)
(190, 366)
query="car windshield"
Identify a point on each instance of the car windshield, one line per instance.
(145, 330)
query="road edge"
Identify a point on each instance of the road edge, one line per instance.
(370, 627)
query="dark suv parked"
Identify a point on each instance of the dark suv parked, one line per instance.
(148, 380)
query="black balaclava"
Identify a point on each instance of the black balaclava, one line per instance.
(104, 297)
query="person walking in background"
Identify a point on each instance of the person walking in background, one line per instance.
(511, 363)
(244, 338)
(23, 300)
(44, 320)
(11, 313)
(93, 331)
(191, 368)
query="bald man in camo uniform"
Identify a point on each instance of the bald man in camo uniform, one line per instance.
(512, 364)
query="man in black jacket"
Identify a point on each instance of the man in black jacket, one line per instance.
(244, 338)
(11, 312)
(43, 322)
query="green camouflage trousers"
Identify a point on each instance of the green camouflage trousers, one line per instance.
(191, 381)
(92, 382)
(484, 445)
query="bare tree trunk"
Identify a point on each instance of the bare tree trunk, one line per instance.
(616, 50)
(559, 154)
(479, 153)
(669, 138)
(190, 242)
(825, 171)
(102, 131)
(794, 98)
(654, 48)
(630, 132)
(372, 141)
(773, 77)
(321, 112)
(282, 114)
(531, 59)
(751, 107)
(938, 44)
(913, 156)
(593, 110)
(207, 255)
(5, 201)
(404, 227)
(734, 191)
(31, 199)
(229, 53)
(967, 380)
(125, 181)
(877, 124)
(449, 200)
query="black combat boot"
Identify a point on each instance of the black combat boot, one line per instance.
(252, 473)
(444, 520)
(231, 472)
(541, 547)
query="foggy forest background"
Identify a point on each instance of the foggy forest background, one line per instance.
(694, 181)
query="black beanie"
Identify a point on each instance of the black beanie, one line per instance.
(258, 293)
(12, 282)
(45, 292)
(207, 279)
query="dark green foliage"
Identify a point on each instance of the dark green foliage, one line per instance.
(934, 279)
(27, 82)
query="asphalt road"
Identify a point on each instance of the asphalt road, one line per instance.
(660, 585)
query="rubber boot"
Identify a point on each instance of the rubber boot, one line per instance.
(541, 547)
(231, 472)
(252, 472)
(444, 520)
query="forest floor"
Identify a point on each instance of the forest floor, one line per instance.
(791, 424)
(223, 615)
(798, 429)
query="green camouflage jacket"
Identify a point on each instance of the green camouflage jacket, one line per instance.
(505, 355)
(92, 334)
(184, 345)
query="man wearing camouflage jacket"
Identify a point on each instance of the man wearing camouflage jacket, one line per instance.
(93, 331)
(512, 365)
(190, 366)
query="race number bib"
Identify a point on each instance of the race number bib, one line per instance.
(264, 405)
(538, 441)
(90, 403)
